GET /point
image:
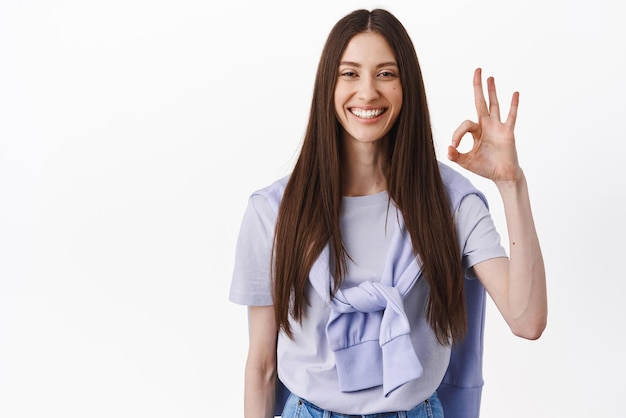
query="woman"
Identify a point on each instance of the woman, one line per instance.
(360, 267)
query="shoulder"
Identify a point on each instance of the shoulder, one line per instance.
(273, 193)
(261, 212)
(458, 186)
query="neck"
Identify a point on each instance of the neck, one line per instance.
(364, 170)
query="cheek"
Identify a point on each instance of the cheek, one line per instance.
(336, 101)
(394, 94)
(339, 101)
(398, 98)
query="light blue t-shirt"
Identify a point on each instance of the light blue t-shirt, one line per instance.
(306, 365)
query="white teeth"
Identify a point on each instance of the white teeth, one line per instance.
(366, 114)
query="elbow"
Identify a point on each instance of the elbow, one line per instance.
(530, 331)
(532, 335)
(531, 323)
(263, 374)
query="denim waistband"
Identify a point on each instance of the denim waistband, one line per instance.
(394, 414)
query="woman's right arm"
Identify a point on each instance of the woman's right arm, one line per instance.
(260, 374)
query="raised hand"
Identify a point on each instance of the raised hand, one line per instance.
(517, 284)
(493, 154)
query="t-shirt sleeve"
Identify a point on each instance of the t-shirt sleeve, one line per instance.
(251, 282)
(478, 238)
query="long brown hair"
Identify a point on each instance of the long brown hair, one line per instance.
(308, 217)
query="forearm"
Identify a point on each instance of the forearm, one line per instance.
(259, 392)
(526, 291)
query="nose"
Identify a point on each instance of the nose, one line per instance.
(368, 90)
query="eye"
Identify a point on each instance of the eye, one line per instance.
(348, 73)
(387, 74)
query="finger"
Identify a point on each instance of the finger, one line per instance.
(453, 153)
(494, 106)
(458, 157)
(512, 117)
(466, 127)
(479, 96)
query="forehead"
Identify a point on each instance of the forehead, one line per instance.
(368, 47)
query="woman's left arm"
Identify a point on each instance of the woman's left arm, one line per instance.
(517, 284)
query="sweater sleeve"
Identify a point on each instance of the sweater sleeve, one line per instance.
(251, 282)
(478, 238)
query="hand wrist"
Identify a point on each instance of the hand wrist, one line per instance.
(514, 181)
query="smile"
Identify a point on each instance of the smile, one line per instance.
(366, 114)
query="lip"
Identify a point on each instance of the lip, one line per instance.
(383, 110)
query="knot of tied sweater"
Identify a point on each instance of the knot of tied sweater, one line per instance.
(368, 329)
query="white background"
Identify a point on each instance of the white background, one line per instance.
(132, 132)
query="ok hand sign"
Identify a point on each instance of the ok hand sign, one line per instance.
(493, 154)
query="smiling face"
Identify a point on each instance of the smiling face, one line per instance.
(368, 94)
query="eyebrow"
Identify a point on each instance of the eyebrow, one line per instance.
(357, 65)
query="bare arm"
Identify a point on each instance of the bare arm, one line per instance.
(260, 374)
(518, 284)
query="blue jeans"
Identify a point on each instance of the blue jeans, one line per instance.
(299, 408)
